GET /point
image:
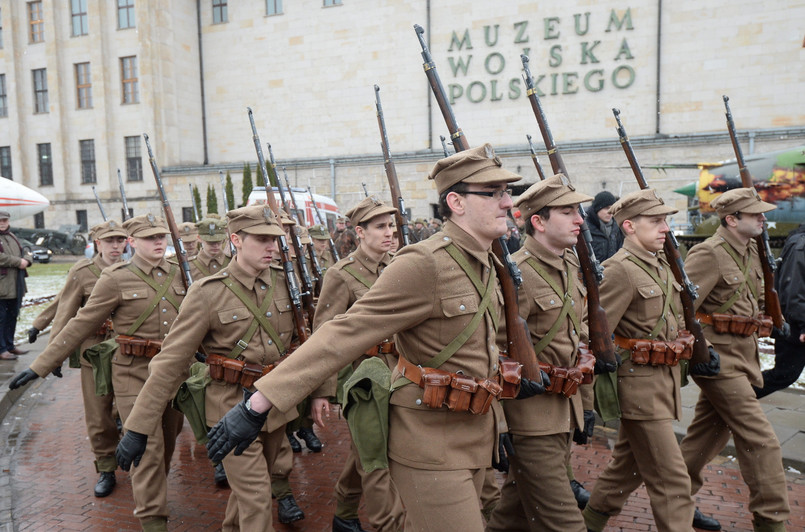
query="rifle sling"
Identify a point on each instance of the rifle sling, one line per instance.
(162, 293)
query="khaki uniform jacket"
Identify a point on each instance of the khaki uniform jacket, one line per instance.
(10, 260)
(340, 291)
(325, 259)
(633, 302)
(427, 300)
(715, 272)
(210, 265)
(216, 328)
(124, 296)
(547, 414)
(80, 282)
(44, 318)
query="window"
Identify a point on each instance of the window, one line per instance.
(83, 85)
(219, 14)
(36, 32)
(273, 7)
(328, 3)
(128, 73)
(125, 14)
(188, 215)
(87, 161)
(81, 219)
(45, 164)
(3, 96)
(79, 10)
(39, 220)
(41, 90)
(134, 161)
(5, 162)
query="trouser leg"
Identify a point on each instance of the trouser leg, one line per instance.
(281, 465)
(249, 505)
(101, 426)
(348, 488)
(9, 310)
(436, 501)
(706, 436)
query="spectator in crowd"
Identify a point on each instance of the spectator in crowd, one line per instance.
(607, 237)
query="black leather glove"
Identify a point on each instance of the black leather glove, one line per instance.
(57, 372)
(708, 369)
(22, 378)
(581, 436)
(607, 367)
(784, 332)
(201, 357)
(529, 388)
(505, 449)
(236, 430)
(130, 449)
(33, 332)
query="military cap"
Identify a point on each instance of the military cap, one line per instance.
(436, 221)
(644, 202)
(301, 232)
(555, 191)
(477, 166)
(108, 229)
(188, 231)
(420, 221)
(4, 215)
(740, 200)
(286, 219)
(367, 209)
(145, 225)
(211, 229)
(319, 232)
(254, 220)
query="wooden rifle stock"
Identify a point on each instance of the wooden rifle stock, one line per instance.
(178, 245)
(400, 217)
(285, 253)
(600, 334)
(701, 354)
(323, 221)
(518, 337)
(771, 299)
(311, 253)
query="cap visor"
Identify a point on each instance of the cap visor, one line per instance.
(571, 198)
(492, 176)
(151, 231)
(264, 229)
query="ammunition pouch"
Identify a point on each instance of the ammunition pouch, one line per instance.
(509, 376)
(566, 381)
(234, 371)
(737, 325)
(658, 352)
(138, 347)
(105, 328)
(459, 393)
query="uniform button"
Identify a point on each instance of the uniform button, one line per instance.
(631, 370)
(494, 367)
(527, 253)
(446, 238)
(262, 287)
(234, 316)
(159, 274)
(572, 303)
(462, 307)
(419, 401)
(270, 342)
(736, 278)
(651, 291)
(135, 295)
(163, 298)
(660, 268)
(164, 323)
(287, 306)
(551, 301)
(268, 313)
(164, 310)
(573, 332)
(225, 274)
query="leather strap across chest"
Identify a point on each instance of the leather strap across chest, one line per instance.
(259, 317)
(161, 292)
(567, 310)
(747, 282)
(360, 278)
(667, 293)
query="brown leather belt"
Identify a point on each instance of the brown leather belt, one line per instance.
(658, 352)
(383, 348)
(567, 380)
(737, 325)
(234, 371)
(138, 347)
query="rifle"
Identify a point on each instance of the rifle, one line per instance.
(600, 334)
(518, 338)
(311, 253)
(285, 254)
(671, 247)
(98, 200)
(365, 192)
(307, 283)
(181, 254)
(123, 196)
(400, 217)
(323, 221)
(772, 300)
(535, 158)
(444, 146)
(195, 206)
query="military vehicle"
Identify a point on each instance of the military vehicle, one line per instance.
(779, 178)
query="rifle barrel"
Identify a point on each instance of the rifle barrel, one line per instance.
(123, 196)
(100, 206)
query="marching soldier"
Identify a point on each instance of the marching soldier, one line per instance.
(188, 233)
(44, 318)
(321, 244)
(211, 258)
(643, 306)
(439, 298)
(727, 270)
(143, 297)
(348, 280)
(245, 334)
(536, 495)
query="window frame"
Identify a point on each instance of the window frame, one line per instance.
(36, 27)
(3, 97)
(40, 86)
(221, 7)
(83, 85)
(5, 162)
(331, 3)
(86, 148)
(129, 87)
(126, 7)
(275, 9)
(81, 16)
(134, 158)
(45, 164)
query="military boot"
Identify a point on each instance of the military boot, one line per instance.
(295, 445)
(106, 483)
(288, 511)
(311, 440)
(347, 525)
(220, 476)
(705, 522)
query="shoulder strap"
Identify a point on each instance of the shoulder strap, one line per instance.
(161, 289)
(746, 281)
(360, 278)
(94, 269)
(197, 263)
(258, 316)
(666, 292)
(567, 310)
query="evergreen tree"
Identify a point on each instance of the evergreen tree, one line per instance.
(212, 200)
(259, 179)
(197, 199)
(230, 193)
(247, 183)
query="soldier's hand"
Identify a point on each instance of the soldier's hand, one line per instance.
(236, 430)
(201, 357)
(607, 367)
(708, 369)
(130, 449)
(33, 332)
(529, 388)
(505, 449)
(57, 372)
(22, 378)
(582, 436)
(783, 332)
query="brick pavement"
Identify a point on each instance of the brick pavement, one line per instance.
(48, 465)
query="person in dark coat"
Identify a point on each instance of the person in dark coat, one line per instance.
(789, 351)
(606, 235)
(13, 265)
